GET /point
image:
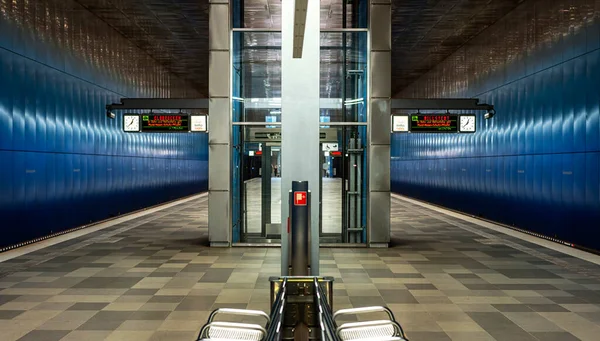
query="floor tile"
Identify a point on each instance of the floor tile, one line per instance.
(154, 280)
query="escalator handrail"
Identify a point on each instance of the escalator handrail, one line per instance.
(326, 321)
(276, 318)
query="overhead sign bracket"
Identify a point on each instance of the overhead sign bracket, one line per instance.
(440, 104)
(159, 103)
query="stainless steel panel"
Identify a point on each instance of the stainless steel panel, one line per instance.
(218, 27)
(218, 167)
(218, 74)
(379, 217)
(380, 127)
(219, 229)
(381, 27)
(300, 123)
(379, 167)
(381, 77)
(218, 1)
(219, 120)
(380, 2)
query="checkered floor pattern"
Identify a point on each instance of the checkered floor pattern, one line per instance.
(153, 278)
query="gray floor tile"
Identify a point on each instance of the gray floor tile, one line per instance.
(148, 315)
(429, 336)
(216, 275)
(10, 314)
(88, 306)
(547, 308)
(512, 308)
(196, 303)
(555, 336)
(160, 262)
(45, 335)
(397, 296)
(95, 324)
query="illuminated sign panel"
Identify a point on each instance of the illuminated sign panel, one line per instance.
(165, 123)
(198, 123)
(434, 123)
(400, 124)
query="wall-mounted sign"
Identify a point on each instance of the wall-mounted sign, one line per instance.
(434, 123)
(198, 123)
(330, 147)
(400, 123)
(165, 123)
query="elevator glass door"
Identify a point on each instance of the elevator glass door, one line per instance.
(342, 184)
(343, 187)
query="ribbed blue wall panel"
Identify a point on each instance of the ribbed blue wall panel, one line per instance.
(536, 164)
(63, 164)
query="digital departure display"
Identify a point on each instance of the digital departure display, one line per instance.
(165, 123)
(434, 123)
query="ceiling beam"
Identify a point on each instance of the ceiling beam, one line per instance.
(299, 26)
(159, 103)
(440, 104)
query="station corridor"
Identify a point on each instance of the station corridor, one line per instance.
(152, 277)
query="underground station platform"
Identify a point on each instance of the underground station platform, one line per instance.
(445, 276)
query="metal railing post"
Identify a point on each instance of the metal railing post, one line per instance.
(299, 229)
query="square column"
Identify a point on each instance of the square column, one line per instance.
(379, 130)
(300, 117)
(219, 136)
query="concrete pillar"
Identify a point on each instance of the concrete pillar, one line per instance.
(300, 120)
(380, 29)
(219, 148)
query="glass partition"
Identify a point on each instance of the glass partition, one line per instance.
(335, 14)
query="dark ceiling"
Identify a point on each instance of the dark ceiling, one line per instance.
(175, 32)
(425, 32)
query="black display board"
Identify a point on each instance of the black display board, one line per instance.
(165, 123)
(433, 123)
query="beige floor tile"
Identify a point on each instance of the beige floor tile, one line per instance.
(159, 306)
(582, 308)
(189, 316)
(140, 325)
(84, 298)
(182, 325)
(204, 260)
(479, 308)
(86, 335)
(36, 291)
(19, 305)
(460, 326)
(173, 292)
(126, 335)
(133, 299)
(575, 324)
(38, 315)
(533, 322)
(469, 336)
(13, 335)
(484, 300)
(74, 315)
(61, 325)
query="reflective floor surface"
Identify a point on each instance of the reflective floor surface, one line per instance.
(153, 278)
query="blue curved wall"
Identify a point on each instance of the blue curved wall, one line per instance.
(63, 164)
(536, 165)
